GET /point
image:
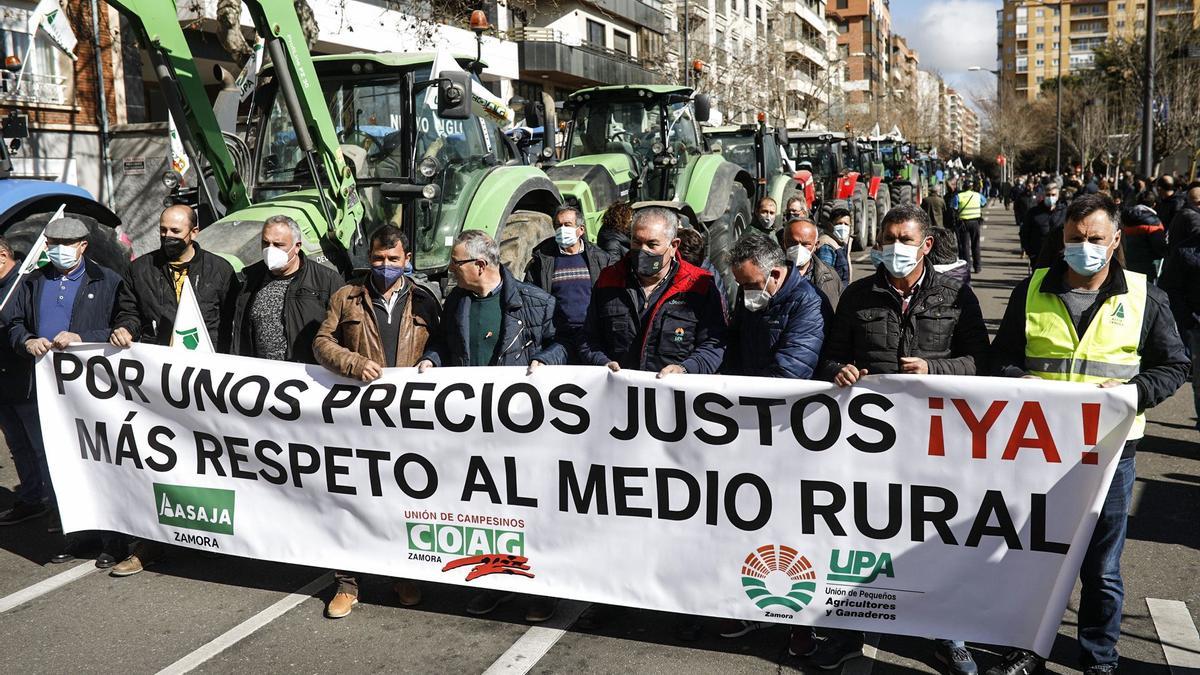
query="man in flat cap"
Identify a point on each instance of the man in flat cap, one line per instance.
(70, 300)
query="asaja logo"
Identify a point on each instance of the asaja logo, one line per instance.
(778, 575)
(1118, 314)
(195, 508)
(859, 567)
(190, 337)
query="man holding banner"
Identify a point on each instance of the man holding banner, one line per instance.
(16, 388)
(1086, 319)
(906, 318)
(69, 301)
(150, 298)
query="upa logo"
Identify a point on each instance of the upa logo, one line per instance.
(859, 567)
(195, 508)
(777, 575)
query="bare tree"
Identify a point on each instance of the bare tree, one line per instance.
(229, 13)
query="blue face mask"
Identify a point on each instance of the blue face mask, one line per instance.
(1085, 257)
(898, 259)
(386, 275)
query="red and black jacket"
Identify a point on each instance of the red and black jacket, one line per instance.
(685, 326)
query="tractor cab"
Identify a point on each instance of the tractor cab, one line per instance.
(759, 150)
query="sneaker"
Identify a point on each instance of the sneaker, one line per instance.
(408, 591)
(21, 512)
(144, 553)
(836, 651)
(802, 642)
(1018, 662)
(1101, 669)
(541, 609)
(486, 602)
(957, 660)
(340, 605)
(735, 628)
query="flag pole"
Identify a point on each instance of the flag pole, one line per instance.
(34, 253)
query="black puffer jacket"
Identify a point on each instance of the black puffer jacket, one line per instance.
(305, 305)
(612, 242)
(147, 305)
(943, 325)
(1039, 222)
(16, 378)
(526, 334)
(1181, 269)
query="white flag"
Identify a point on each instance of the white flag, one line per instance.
(51, 18)
(179, 159)
(248, 78)
(35, 258)
(190, 332)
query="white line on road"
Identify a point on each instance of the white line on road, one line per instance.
(866, 664)
(1177, 635)
(45, 586)
(245, 628)
(536, 641)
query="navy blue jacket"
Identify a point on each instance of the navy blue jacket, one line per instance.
(91, 316)
(15, 380)
(782, 340)
(526, 334)
(686, 326)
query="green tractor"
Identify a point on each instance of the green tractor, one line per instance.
(901, 174)
(759, 150)
(643, 143)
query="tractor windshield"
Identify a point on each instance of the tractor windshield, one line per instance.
(605, 126)
(816, 153)
(737, 147)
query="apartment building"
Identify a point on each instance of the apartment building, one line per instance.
(905, 66)
(959, 124)
(864, 43)
(1039, 40)
(812, 78)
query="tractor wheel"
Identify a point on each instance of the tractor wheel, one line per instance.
(519, 235)
(872, 224)
(724, 232)
(823, 213)
(883, 204)
(103, 245)
(906, 195)
(858, 209)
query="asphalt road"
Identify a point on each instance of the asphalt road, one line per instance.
(220, 614)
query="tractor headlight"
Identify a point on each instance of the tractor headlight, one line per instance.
(171, 180)
(657, 147)
(428, 168)
(430, 191)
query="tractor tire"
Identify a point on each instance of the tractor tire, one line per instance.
(858, 210)
(902, 194)
(823, 213)
(883, 204)
(724, 232)
(872, 222)
(103, 245)
(520, 234)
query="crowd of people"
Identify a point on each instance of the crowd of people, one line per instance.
(643, 297)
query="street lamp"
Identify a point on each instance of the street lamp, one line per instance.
(999, 111)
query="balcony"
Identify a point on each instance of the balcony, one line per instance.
(552, 54)
(34, 89)
(648, 13)
(809, 49)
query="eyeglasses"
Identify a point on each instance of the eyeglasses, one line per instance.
(460, 263)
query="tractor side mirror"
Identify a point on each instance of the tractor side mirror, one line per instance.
(703, 107)
(454, 95)
(781, 137)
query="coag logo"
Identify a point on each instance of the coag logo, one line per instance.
(859, 567)
(463, 540)
(195, 508)
(778, 575)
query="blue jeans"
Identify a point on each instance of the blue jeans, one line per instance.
(1100, 575)
(23, 432)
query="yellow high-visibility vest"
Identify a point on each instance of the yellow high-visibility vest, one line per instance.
(1108, 349)
(970, 205)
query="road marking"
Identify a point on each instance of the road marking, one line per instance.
(866, 664)
(45, 586)
(1177, 635)
(537, 641)
(246, 628)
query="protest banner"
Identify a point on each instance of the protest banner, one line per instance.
(954, 507)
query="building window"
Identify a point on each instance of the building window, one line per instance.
(843, 4)
(621, 42)
(758, 13)
(595, 33)
(746, 8)
(1039, 30)
(43, 79)
(1039, 46)
(1120, 7)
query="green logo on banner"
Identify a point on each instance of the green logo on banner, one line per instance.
(190, 336)
(777, 575)
(195, 508)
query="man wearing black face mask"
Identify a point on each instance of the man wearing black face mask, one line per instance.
(150, 296)
(381, 321)
(652, 310)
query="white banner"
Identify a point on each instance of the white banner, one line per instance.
(180, 162)
(952, 507)
(49, 16)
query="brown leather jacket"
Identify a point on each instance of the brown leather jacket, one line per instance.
(349, 336)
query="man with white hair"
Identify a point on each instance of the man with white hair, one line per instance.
(284, 299)
(652, 310)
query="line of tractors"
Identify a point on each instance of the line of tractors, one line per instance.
(346, 143)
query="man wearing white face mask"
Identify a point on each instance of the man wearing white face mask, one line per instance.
(1087, 319)
(566, 266)
(284, 299)
(800, 239)
(1042, 219)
